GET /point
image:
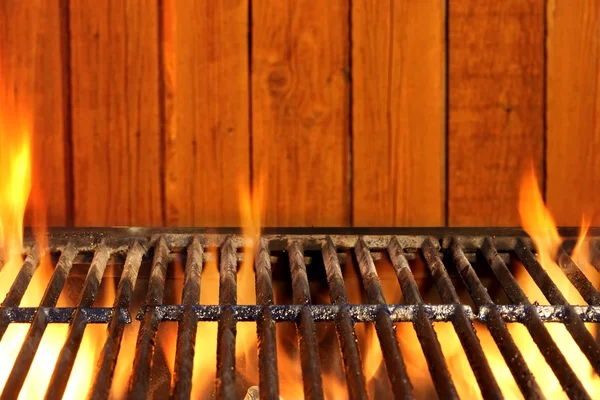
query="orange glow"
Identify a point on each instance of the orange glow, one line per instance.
(414, 359)
(205, 357)
(120, 382)
(91, 345)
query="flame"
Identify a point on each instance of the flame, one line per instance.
(15, 185)
(119, 385)
(205, 357)
(540, 226)
(252, 212)
(252, 205)
(16, 193)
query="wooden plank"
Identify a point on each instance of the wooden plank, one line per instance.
(300, 110)
(31, 67)
(115, 112)
(206, 111)
(573, 117)
(496, 116)
(398, 112)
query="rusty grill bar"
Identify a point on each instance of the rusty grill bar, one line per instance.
(442, 250)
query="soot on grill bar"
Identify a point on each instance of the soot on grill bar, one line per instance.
(314, 313)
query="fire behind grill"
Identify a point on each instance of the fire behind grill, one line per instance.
(452, 256)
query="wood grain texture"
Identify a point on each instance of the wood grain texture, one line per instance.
(206, 110)
(300, 110)
(398, 112)
(31, 67)
(573, 101)
(496, 117)
(116, 124)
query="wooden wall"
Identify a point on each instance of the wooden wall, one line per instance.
(352, 112)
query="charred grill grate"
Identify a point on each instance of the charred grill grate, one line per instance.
(444, 252)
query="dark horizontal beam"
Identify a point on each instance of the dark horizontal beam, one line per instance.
(104, 232)
(324, 312)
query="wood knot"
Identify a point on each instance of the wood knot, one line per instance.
(278, 80)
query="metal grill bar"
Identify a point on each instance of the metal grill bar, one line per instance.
(38, 325)
(186, 332)
(540, 335)
(305, 326)
(497, 327)
(422, 324)
(225, 383)
(268, 384)
(329, 312)
(464, 329)
(595, 254)
(383, 324)
(355, 379)
(17, 290)
(320, 313)
(577, 278)
(108, 356)
(574, 324)
(146, 341)
(66, 358)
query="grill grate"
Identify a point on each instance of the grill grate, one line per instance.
(441, 249)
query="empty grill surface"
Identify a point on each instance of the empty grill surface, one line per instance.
(459, 262)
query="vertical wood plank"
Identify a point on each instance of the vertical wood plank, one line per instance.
(206, 110)
(31, 66)
(496, 116)
(115, 112)
(573, 116)
(300, 110)
(398, 112)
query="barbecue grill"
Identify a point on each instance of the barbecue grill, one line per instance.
(470, 256)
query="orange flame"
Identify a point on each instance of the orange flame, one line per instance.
(252, 211)
(540, 226)
(15, 191)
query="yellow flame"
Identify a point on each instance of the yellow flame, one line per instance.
(540, 226)
(15, 192)
(252, 211)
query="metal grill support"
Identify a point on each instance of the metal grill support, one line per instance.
(186, 333)
(66, 358)
(305, 324)
(226, 330)
(383, 324)
(422, 324)
(472, 255)
(146, 341)
(108, 357)
(357, 386)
